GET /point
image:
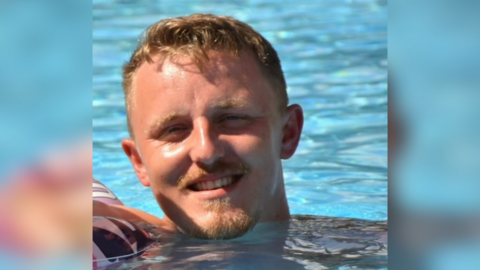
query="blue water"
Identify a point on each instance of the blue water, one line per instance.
(334, 55)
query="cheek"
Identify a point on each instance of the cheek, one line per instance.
(255, 149)
(249, 145)
(263, 161)
(172, 152)
(164, 165)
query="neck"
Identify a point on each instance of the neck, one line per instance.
(277, 209)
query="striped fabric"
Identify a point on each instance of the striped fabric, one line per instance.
(115, 240)
(103, 194)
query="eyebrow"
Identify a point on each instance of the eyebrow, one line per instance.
(225, 104)
(161, 121)
(230, 103)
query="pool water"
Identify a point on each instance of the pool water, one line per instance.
(334, 55)
(306, 242)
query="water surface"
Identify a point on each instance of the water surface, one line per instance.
(306, 242)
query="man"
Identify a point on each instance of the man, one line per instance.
(209, 123)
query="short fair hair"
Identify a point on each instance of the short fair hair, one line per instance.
(196, 35)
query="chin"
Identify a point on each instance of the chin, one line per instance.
(221, 221)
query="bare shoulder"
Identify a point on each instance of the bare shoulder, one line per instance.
(127, 213)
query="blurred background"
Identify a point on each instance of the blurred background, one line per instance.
(334, 55)
(434, 60)
(45, 134)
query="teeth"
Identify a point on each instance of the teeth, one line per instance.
(208, 185)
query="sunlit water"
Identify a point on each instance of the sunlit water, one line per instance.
(306, 242)
(334, 55)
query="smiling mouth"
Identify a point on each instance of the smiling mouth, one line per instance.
(215, 184)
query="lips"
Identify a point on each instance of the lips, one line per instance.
(214, 183)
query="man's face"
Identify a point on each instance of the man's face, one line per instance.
(209, 143)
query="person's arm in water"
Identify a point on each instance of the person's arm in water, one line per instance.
(129, 214)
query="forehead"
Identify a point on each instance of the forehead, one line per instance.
(180, 77)
(219, 66)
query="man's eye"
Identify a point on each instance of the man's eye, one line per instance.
(173, 133)
(235, 118)
(235, 121)
(174, 130)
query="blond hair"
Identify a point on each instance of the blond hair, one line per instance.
(195, 36)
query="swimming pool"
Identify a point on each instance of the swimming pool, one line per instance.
(334, 55)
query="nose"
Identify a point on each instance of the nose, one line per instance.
(206, 148)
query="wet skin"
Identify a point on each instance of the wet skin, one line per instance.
(211, 135)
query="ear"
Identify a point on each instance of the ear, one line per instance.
(292, 130)
(132, 153)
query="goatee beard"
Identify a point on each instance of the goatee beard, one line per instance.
(222, 221)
